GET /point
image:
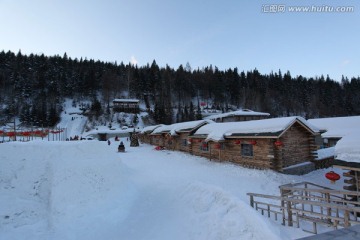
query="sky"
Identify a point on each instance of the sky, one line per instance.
(246, 34)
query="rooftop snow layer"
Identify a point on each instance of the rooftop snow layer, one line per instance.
(149, 129)
(178, 127)
(336, 127)
(125, 100)
(348, 147)
(243, 112)
(325, 153)
(217, 131)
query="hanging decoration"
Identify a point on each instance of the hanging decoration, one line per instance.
(10, 134)
(332, 176)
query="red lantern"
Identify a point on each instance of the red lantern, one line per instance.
(279, 143)
(253, 142)
(237, 142)
(332, 176)
(37, 132)
(202, 104)
(10, 134)
(199, 140)
(218, 146)
(25, 134)
(190, 140)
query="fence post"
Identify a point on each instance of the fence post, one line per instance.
(283, 211)
(252, 201)
(346, 218)
(289, 212)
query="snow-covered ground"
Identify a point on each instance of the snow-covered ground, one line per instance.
(87, 190)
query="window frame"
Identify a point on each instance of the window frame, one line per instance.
(247, 150)
(204, 149)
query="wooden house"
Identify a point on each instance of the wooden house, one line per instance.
(176, 136)
(126, 105)
(162, 137)
(238, 116)
(282, 144)
(145, 134)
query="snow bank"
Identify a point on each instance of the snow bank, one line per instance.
(219, 215)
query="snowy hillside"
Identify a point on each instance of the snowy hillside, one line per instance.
(86, 190)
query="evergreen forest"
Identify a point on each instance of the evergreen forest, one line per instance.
(33, 88)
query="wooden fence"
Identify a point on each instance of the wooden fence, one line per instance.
(309, 202)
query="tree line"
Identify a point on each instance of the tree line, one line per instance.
(33, 87)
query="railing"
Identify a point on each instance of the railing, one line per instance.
(317, 205)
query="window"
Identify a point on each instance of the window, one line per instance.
(222, 146)
(247, 150)
(184, 142)
(204, 146)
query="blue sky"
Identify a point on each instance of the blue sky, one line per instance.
(226, 34)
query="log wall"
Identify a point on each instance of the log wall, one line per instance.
(299, 146)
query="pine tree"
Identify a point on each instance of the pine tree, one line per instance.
(198, 115)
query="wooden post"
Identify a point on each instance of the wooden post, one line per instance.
(346, 218)
(252, 201)
(283, 211)
(327, 196)
(289, 212)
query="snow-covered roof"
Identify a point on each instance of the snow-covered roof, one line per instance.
(149, 129)
(243, 112)
(325, 153)
(336, 127)
(125, 100)
(348, 147)
(272, 127)
(173, 129)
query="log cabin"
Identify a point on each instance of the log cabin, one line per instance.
(281, 144)
(145, 134)
(175, 136)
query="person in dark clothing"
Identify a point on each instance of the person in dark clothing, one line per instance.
(121, 147)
